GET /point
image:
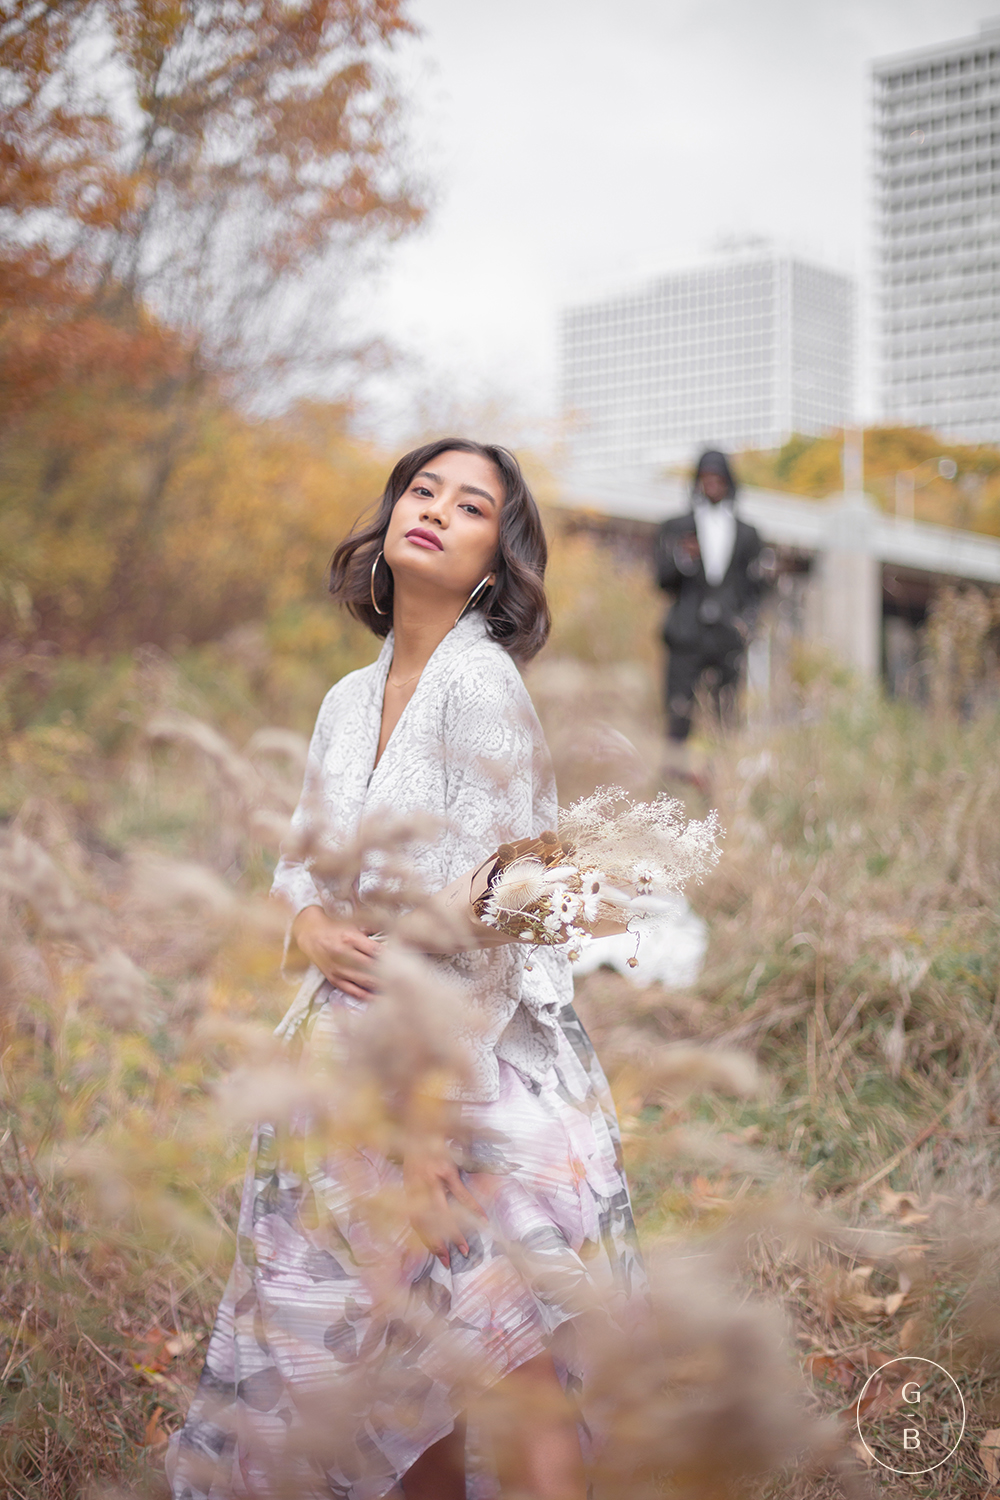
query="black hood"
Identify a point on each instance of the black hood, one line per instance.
(714, 462)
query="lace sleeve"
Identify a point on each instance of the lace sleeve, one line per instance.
(293, 884)
(491, 749)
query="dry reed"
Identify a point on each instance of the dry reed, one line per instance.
(810, 1129)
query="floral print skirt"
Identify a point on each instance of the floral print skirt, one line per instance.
(342, 1349)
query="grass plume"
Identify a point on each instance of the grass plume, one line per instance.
(810, 1131)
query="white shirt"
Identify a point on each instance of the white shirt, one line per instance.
(468, 748)
(716, 528)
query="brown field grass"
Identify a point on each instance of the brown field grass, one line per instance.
(853, 958)
(854, 951)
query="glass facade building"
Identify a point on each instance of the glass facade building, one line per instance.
(737, 353)
(937, 187)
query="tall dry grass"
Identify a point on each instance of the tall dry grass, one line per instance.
(854, 946)
(811, 1130)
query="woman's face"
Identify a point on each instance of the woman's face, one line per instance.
(445, 528)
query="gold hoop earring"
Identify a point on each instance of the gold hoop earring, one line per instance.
(474, 597)
(372, 587)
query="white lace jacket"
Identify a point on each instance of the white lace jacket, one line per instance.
(468, 748)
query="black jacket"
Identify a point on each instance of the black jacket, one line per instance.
(714, 619)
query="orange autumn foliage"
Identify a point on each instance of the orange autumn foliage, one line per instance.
(178, 186)
(125, 523)
(195, 158)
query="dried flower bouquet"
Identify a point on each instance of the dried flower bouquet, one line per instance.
(612, 859)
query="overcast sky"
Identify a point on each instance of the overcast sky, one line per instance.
(575, 144)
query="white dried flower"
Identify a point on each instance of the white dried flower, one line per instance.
(520, 884)
(591, 905)
(643, 847)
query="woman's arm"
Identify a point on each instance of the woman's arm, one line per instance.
(341, 945)
(293, 883)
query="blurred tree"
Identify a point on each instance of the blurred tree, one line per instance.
(179, 183)
(199, 160)
(812, 466)
(106, 543)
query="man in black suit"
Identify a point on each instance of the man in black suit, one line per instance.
(711, 561)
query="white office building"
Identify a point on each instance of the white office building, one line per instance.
(937, 165)
(737, 353)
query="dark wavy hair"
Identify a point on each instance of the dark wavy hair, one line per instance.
(515, 607)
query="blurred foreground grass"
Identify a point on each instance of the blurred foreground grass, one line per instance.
(853, 953)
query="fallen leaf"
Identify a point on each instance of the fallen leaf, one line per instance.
(150, 1351)
(832, 1367)
(845, 1293)
(912, 1265)
(862, 1452)
(989, 1454)
(868, 1359)
(155, 1435)
(911, 1334)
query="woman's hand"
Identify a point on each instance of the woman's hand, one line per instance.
(438, 1202)
(340, 950)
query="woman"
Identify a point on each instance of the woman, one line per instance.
(504, 1253)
